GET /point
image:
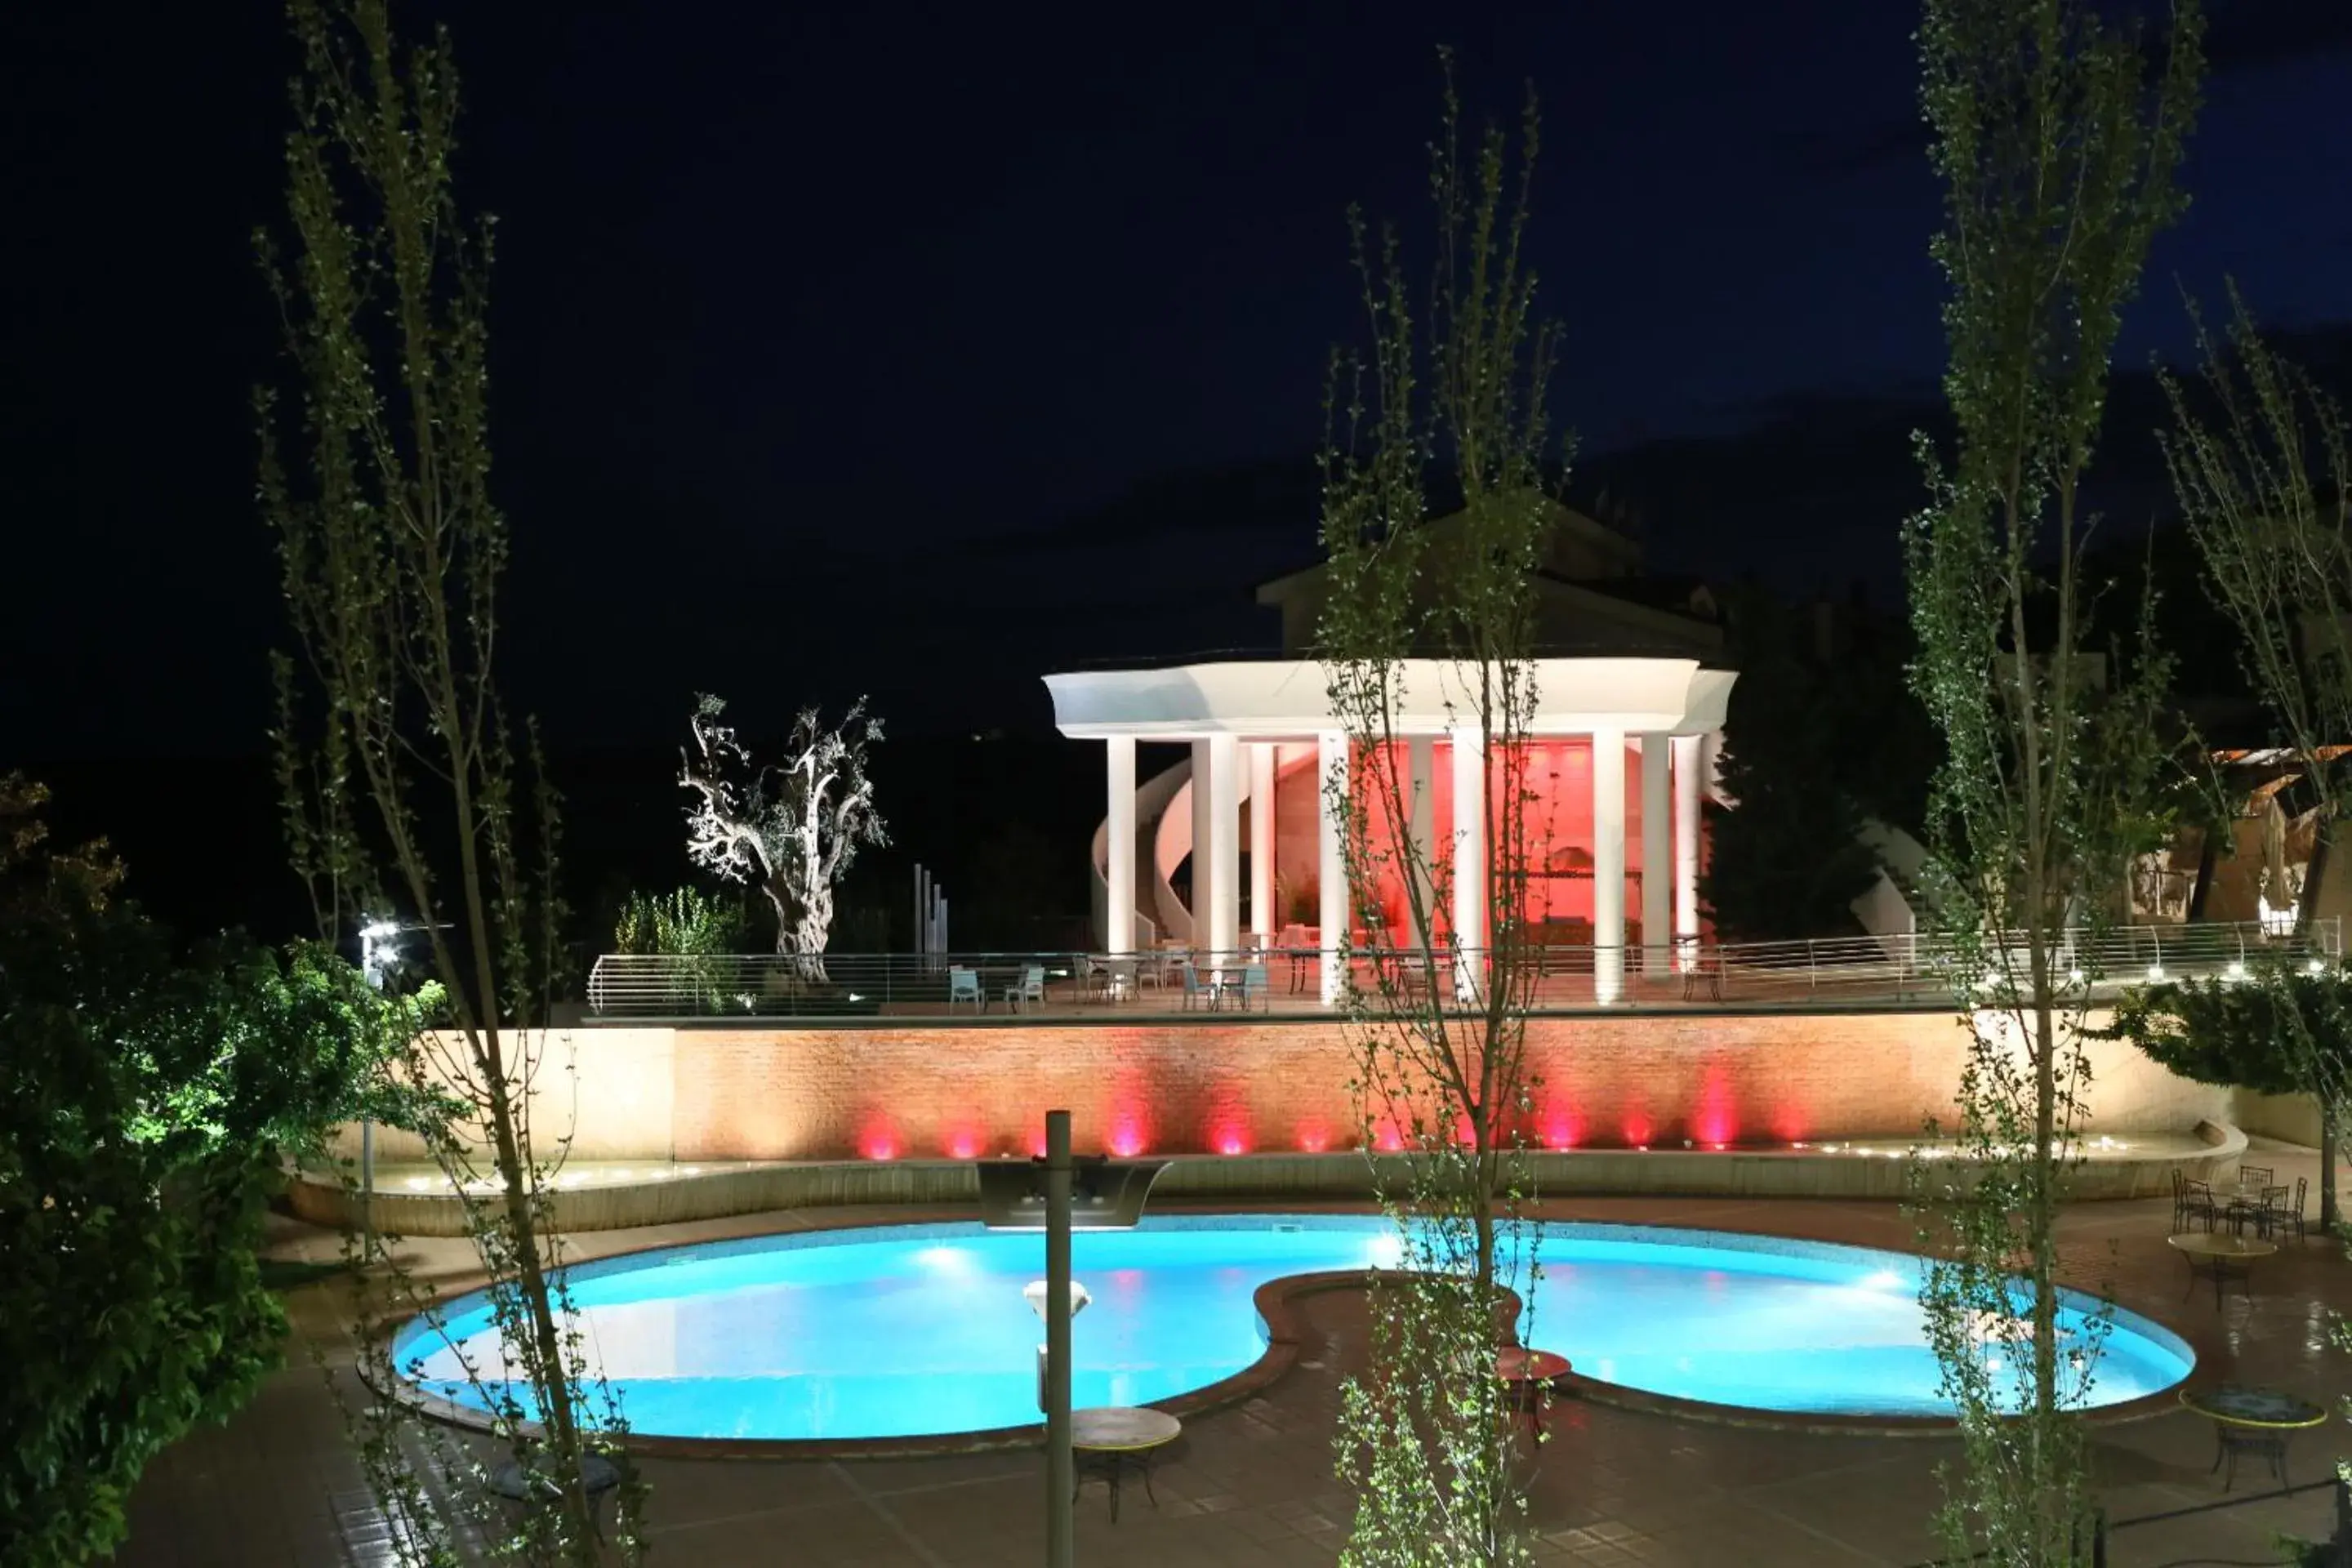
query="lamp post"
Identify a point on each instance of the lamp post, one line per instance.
(1056, 1194)
(377, 955)
(1061, 1464)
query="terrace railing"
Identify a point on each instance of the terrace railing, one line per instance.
(1844, 972)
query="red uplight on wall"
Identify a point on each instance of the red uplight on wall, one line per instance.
(1128, 1114)
(1716, 1123)
(1562, 1128)
(963, 1145)
(1229, 1139)
(1386, 1138)
(877, 1141)
(1314, 1138)
(1637, 1130)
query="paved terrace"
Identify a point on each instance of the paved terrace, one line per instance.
(1251, 1487)
(1301, 982)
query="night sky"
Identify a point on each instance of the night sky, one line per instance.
(844, 348)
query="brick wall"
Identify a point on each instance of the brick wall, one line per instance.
(1273, 1085)
(1236, 1087)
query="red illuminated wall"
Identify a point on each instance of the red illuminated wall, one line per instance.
(1236, 1087)
(1558, 781)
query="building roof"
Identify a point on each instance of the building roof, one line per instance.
(1289, 699)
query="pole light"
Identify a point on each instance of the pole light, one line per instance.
(1058, 1194)
(378, 951)
(379, 959)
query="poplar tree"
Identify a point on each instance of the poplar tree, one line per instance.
(2057, 155)
(2256, 451)
(395, 757)
(1455, 402)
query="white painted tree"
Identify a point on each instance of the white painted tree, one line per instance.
(790, 831)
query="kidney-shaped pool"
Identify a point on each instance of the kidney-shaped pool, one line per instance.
(900, 1331)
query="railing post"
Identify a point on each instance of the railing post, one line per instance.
(1813, 968)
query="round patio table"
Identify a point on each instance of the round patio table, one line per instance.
(1110, 1437)
(2252, 1420)
(1528, 1374)
(598, 1475)
(2211, 1253)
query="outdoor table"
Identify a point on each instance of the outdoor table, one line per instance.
(2252, 1420)
(2234, 1199)
(2220, 1257)
(1110, 1437)
(1526, 1373)
(1113, 979)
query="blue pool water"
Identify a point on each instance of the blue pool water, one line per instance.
(897, 1330)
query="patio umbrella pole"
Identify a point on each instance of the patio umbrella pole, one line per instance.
(1060, 1474)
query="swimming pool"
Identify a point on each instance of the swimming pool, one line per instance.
(899, 1331)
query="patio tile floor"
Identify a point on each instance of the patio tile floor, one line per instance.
(1252, 1486)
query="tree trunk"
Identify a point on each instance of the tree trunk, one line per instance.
(2329, 1217)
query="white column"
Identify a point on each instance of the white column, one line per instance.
(1264, 919)
(1119, 865)
(1468, 745)
(1608, 864)
(1657, 889)
(1331, 864)
(1224, 844)
(1203, 876)
(1687, 766)
(1420, 767)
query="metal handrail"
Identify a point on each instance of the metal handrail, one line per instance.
(1846, 969)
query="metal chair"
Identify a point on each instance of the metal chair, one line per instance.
(963, 986)
(2195, 1202)
(2278, 1213)
(1194, 992)
(1256, 983)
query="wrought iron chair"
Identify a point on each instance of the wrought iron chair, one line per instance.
(2195, 1202)
(2278, 1214)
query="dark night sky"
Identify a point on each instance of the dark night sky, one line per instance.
(823, 333)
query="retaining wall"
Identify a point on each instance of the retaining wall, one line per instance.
(1222, 1086)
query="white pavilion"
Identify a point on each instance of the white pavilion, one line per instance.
(1620, 755)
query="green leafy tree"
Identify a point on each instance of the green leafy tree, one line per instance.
(2057, 156)
(2282, 1030)
(688, 923)
(2257, 453)
(391, 551)
(149, 1097)
(1441, 1030)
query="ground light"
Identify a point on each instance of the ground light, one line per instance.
(1056, 1194)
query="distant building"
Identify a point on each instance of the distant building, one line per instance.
(1593, 598)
